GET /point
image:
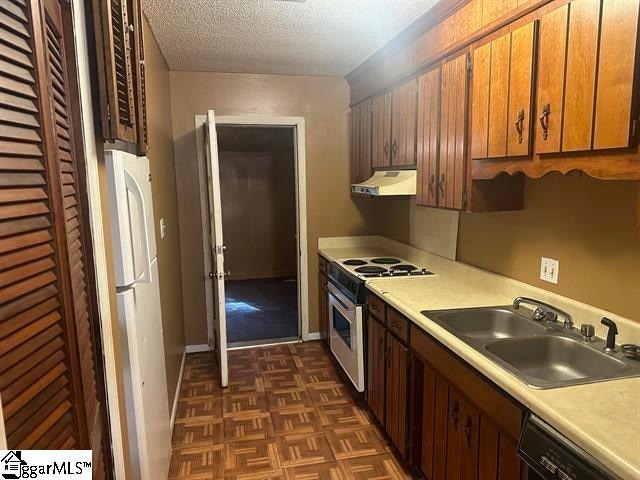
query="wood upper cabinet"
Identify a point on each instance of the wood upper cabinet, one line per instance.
(502, 85)
(360, 138)
(381, 131)
(50, 363)
(403, 124)
(427, 137)
(396, 392)
(616, 68)
(453, 129)
(121, 74)
(442, 133)
(393, 130)
(376, 346)
(586, 76)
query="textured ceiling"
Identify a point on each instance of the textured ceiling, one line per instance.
(314, 37)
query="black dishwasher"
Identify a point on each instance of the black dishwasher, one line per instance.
(554, 457)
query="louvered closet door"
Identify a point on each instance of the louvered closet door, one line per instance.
(48, 379)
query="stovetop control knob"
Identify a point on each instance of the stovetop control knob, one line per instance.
(548, 464)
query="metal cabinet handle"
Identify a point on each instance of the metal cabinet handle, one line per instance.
(394, 149)
(386, 149)
(519, 123)
(467, 430)
(432, 183)
(441, 183)
(544, 120)
(454, 414)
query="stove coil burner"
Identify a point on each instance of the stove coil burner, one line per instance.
(354, 262)
(371, 269)
(404, 268)
(386, 260)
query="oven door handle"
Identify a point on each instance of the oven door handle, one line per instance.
(340, 298)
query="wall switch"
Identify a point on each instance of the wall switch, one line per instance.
(549, 270)
(163, 228)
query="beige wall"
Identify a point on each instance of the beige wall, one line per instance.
(323, 101)
(586, 224)
(165, 205)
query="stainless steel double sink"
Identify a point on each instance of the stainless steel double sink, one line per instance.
(541, 354)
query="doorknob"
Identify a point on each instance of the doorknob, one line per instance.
(211, 275)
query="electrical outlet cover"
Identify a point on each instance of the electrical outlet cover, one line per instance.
(549, 270)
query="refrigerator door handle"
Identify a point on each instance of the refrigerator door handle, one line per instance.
(134, 188)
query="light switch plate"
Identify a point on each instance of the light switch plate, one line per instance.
(163, 228)
(549, 270)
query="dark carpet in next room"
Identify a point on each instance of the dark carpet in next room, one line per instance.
(261, 309)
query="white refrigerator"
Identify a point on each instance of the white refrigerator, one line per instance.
(139, 315)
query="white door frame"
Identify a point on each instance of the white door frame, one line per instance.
(301, 207)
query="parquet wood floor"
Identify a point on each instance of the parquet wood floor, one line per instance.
(285, 415)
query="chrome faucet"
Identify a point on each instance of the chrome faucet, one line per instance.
(544, 311)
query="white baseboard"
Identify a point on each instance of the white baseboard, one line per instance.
(203, 347)
(314, 336)
(176, 398)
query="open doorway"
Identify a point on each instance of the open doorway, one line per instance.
(214, 239)
(258, 204)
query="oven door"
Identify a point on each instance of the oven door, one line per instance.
(346, 337)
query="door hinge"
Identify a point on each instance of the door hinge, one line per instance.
(220, 249)
(108, 112)
(469, 61)
(464, 200)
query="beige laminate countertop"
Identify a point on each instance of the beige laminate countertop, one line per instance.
(602, 418)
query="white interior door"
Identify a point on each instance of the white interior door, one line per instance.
(217, 244)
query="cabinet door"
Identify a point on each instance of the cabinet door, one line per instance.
(520, 86)
(616, 67)
(376, 368)
(481, 73)
(381, 131)
(403, 124)
(552, 48)
(360, 142)
(427, 137)
(453, 110)
(580, 75)
(501, 105)
(397, 393)
(323, 307)
(498, 97)
(50, 356)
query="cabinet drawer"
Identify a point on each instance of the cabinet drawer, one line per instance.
(376, 307)
(397, 324)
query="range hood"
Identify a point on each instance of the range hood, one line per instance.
(388, 182)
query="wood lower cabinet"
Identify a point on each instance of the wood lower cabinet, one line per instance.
(387, 389)
(323, 314)
(464, 427)
(376, 371)
(443, 417)
(396, 392)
